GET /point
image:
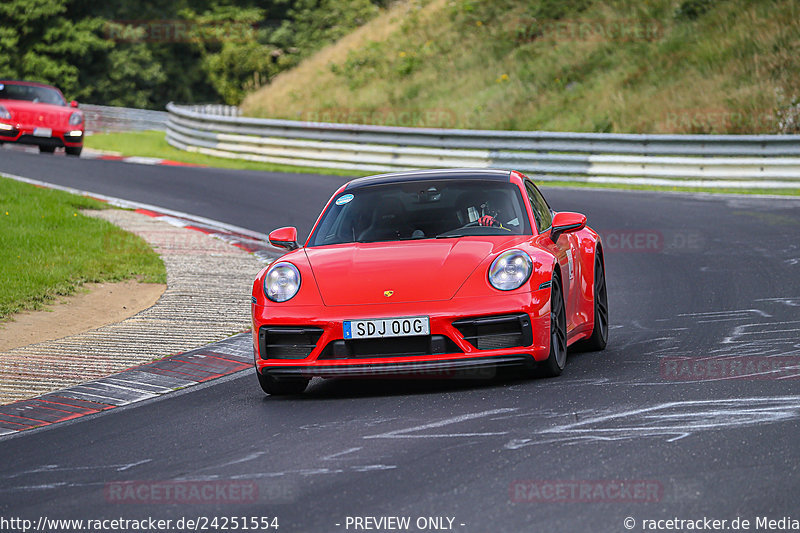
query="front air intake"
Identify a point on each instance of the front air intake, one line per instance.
(389, 347)
(287, 342)
(496, 332)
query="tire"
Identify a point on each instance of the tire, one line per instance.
(555, 362)
(281, 387)
(76, 151)
(599, 338)
(47, 149)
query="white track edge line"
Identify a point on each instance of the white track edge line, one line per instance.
(129, 204)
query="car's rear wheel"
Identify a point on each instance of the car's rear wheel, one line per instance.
(599, 337)
(554, 364)
(47, 149)
(76, 151)
(278, 387)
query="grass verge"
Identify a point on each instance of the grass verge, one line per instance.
(153, 144)
(49, 248)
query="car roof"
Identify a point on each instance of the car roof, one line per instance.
(436, 174)
(26, 82)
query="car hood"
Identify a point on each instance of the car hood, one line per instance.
(35, 114)
(412, 271)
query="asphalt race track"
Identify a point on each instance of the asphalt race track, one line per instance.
(694, 407)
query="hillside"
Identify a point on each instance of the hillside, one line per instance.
(658, 66)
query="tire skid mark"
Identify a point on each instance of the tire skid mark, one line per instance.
(671, 421)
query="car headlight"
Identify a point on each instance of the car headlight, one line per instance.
(4, 114)
(76, 118)
(281, 282)
(510, 270)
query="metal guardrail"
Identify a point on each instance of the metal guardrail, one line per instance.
(214, 109)
(764, 161)
(102, 118)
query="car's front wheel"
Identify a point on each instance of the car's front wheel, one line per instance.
(554, 364)
(599, 337)
(76, 150)
(278, 387)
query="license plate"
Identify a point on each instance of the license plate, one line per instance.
(42, 132)
(387, 327)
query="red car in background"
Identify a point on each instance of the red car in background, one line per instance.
(38, 114)
(424, 272)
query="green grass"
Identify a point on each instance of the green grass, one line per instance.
(628, 66)
(153, 144)
(49, 248)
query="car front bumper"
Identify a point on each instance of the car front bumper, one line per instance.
(23, 134)
(454, 337)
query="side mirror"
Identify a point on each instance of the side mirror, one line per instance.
(73, 103)
(284, 238)
(566, 222)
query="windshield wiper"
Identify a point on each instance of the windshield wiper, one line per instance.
(395, 239)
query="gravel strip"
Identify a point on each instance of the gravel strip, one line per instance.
(207, 299)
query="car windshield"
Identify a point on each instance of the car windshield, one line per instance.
(31, 93)
(424, 209)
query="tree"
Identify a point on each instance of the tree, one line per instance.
(38, 42)
(233, 49)
(106, 53)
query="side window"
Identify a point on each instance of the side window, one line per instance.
(541, 211)
(534, 207)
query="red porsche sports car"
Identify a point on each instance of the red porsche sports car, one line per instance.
(427, 271)
(38, 114)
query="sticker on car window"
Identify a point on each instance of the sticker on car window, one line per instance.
(347, 198)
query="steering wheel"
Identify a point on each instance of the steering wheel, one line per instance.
(489, 221)
(486, 221)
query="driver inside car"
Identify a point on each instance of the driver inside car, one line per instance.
(492, 211)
